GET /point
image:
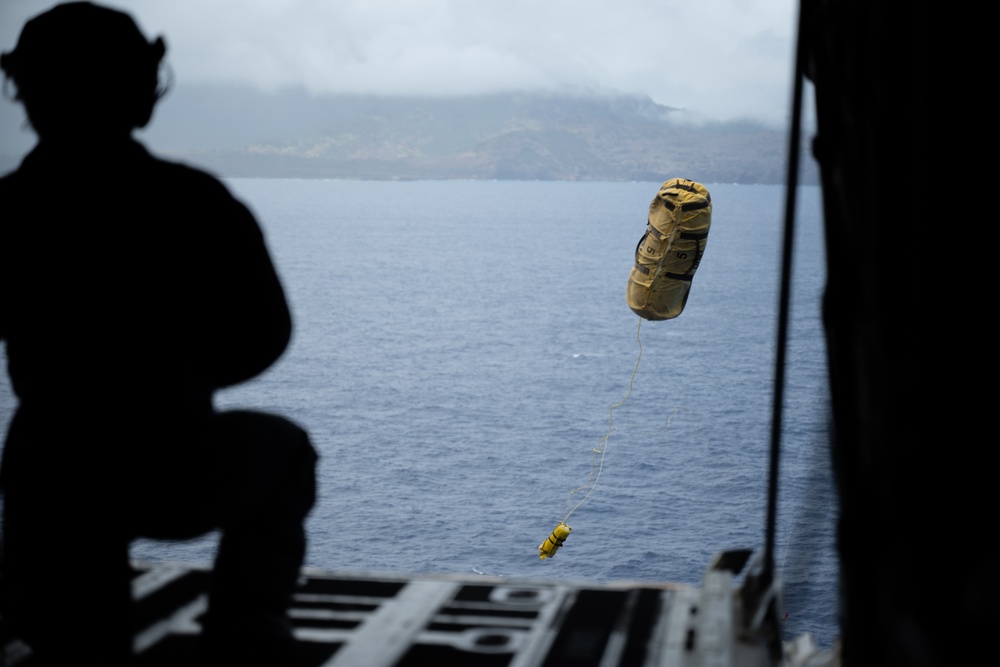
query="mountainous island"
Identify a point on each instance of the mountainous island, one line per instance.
(242, 132)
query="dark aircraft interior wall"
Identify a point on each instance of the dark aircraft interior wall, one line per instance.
(909, 370)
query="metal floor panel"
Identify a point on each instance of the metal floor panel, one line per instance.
(376, 620)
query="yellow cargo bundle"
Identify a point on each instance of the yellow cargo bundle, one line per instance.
(669, 252)
(550, 546)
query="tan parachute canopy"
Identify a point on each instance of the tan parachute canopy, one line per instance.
(669, 252)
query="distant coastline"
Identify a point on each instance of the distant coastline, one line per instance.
(242, 132)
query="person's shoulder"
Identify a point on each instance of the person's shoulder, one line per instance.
(14, 191)
(187, 175)
(10, 177)
(210, 196)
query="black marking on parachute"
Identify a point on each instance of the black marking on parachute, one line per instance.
(689, 186)
(639, 244)
(693, 236)
(689, 206)
(682, 186)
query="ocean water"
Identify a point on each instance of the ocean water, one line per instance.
(459, 346)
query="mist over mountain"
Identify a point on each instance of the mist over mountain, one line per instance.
(242, 132)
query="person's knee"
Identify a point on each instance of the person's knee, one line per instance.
(274, 451)
(303, 467)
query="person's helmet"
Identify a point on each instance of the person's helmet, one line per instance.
(83, 64)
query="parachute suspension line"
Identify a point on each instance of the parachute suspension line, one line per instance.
(602, 444)
(673, 413)
(788, 543)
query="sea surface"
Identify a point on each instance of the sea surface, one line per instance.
(459, 346)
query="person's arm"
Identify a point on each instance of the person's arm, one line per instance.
(248, 324)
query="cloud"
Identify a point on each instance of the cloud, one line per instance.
(720, 58)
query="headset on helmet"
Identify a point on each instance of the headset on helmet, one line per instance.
(80, 50)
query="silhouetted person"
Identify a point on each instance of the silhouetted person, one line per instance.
(131, 289)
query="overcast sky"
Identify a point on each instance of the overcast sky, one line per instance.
(723, 59)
